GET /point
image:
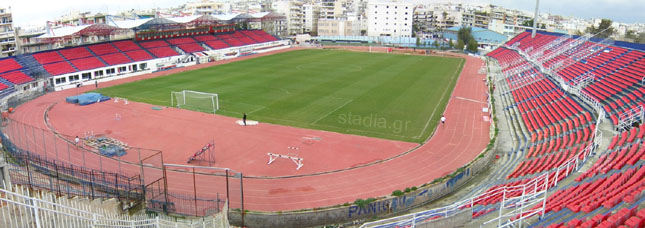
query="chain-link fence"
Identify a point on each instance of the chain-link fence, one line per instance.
(48, 160)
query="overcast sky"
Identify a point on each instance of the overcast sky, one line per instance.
(36, 12)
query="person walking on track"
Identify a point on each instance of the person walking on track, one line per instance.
(443, 120)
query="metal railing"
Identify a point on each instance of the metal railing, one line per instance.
(23, 207)
(515, 211)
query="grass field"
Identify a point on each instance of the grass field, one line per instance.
(390, 96)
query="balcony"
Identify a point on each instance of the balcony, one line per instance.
(6, 33)
(8, 50)
(7, 41)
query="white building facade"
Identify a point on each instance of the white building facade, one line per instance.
(389, 18)
(294, 12)
(7, 34)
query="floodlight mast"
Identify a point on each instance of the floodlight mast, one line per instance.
(535, 18)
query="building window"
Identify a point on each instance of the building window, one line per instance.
(86, 76)
(60, 80)
(73, 78)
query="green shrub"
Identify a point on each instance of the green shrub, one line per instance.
(397, 193)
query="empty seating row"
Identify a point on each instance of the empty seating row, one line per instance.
(557, 124)
(102, 49)
(606, 191)
(181, 40)
(139, 55)
(87, 63)
(115, 59)
(126, 45)
(624, 217)
(234, 42)
(216, 44)
(75, 53)
(16, 77)
(203, 38)
(191, 47)
(153, 44)
(161, 52)
(9, 64)
(93, 56)
(48, 57)
(59, 68)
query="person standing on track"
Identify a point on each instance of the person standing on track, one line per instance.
(443, 120)
(244, 118)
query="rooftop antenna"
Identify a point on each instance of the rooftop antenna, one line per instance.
(535, 18)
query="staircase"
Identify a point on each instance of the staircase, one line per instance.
(32, 67)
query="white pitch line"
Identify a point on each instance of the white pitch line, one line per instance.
(442, 96)
(329, 113)
(468, 99)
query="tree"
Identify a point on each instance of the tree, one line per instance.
(472, 45)
(460, 44)
(641, 38)
(631, 34)
(451, 45)
(464, 34)
(435, 44)
(529, 23)
(578, 33)
(418, 41)
(604, 29)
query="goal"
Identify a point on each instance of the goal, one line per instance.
(195, 100)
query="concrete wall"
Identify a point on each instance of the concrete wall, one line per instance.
(383, 207)
(459, 219)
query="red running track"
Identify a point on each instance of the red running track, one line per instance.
(338, 168)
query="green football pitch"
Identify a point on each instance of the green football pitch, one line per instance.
(389, 96)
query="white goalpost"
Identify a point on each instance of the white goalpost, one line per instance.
(195, 100)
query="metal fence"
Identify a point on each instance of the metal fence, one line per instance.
(46, 159)
(23, 207)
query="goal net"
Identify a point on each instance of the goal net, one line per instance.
(195, 100)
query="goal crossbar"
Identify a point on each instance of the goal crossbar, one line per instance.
(196, 100)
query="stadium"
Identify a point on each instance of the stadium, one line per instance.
(208, 121)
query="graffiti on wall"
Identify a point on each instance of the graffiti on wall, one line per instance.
(403, 202)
